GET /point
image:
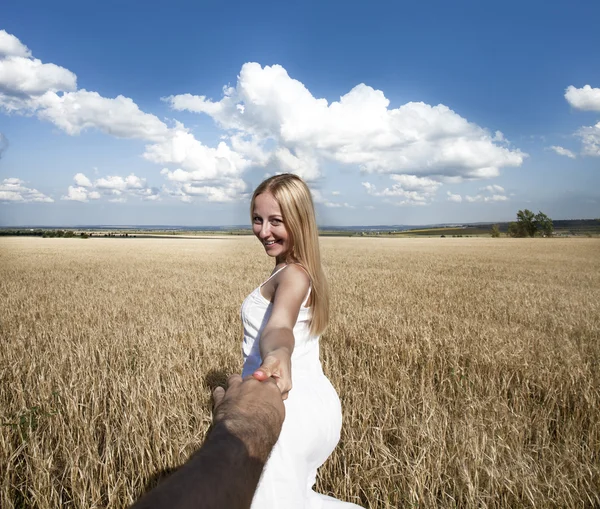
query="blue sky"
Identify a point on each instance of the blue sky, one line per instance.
(393, 112)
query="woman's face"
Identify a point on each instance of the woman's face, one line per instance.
(267, 225)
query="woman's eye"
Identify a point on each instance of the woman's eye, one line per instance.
(256, 220)
(276, 222)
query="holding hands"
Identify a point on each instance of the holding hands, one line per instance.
(277, 364)
(252, 411)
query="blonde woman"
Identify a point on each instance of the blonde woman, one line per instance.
(282, 321)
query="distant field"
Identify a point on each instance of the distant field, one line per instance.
(468, 369)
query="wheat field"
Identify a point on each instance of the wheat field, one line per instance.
(468, 369)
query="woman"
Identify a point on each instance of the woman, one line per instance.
(282, 321)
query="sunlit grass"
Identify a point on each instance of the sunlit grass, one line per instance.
(468, 369)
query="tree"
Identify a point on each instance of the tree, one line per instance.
(495, 231)
(516, 230)
(529, 223)
(544, 224)
(526, 218)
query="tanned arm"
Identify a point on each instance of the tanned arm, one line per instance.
(224, 473)
(277, 339)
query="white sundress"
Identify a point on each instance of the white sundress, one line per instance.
(313, 418)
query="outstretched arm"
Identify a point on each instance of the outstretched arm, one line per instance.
(226, 469)
(277, 338)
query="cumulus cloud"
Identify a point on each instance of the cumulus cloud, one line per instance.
(590, 138)
(408, 190)
(563, 151)
(271, 121)
(10, 46)
(14, 190)
(586, 98)
(82, 181)
(49, 91)
(24, 77)
(454, 197)
(78, 193)
(268, 106)
(75, 112)
(202, 162)
(113, 187)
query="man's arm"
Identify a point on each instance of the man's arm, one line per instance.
(227, 468)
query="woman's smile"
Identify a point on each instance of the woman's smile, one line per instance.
(268, 226)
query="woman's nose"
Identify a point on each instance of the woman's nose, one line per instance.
(265, 230)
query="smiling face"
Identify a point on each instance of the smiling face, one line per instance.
(268, 226)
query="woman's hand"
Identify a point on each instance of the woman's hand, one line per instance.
(277, 364)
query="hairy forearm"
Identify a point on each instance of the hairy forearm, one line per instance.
(223, 473)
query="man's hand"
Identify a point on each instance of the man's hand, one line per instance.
(251, 410)
(227, 468)
(277, 364)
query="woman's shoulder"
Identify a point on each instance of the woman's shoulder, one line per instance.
(294, 273)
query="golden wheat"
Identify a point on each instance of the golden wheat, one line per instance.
(468, 369)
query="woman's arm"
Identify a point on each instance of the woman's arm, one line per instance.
(277, 338)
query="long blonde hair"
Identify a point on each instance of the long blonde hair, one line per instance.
(298, 212)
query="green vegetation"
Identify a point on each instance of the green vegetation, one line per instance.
(43, 232)
(528, 224)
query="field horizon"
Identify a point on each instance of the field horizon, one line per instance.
(468, 369)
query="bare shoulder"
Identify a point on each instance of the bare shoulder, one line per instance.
(294, 276)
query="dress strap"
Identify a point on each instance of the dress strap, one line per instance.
(273, 275)
(287, 265)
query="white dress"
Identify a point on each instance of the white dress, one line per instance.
(313, 418)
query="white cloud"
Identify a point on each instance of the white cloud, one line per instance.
(268, 106)
(14, 190)
(397, 195)
(335, 193)
(113, 187)
(303, 163)
(322, 200)
(120, 184)
(563, 151)
(481, 198)
(494, 188)
(409, 189)
(586, 98)
(454, 197)
(273, 122)
(590, 137)
(413, 183)
(499, 137)
(205, 163)
(82, 194)
(210, 193)
(491, 193)
(24, 77)
(82, 181)
(29, 86)
(10, 46)
(75, 112)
